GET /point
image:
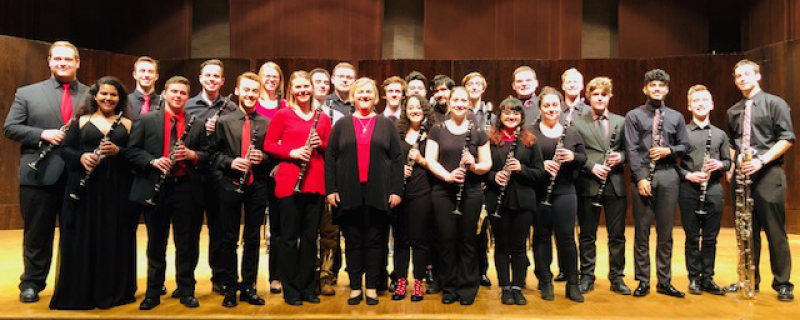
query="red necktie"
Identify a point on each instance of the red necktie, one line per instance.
(246, 144)
(146, 105)
(66, 104)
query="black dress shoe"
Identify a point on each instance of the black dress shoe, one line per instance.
(694, 287)
(547, 291)
(619, 287)
(355, 300)
(669, 289)
(449, 298)
(466, 302)
(294, 302)
(507, 297)
(560, 277)
(275, 290)
(218, 288)
(709, 286)
(28, 295)
(311, 298)
(250, 296)
(642, 290)
(432, 288)
(574, 293)
(176, 294)
(190, 301)
(230, 299)
(586, 284)
(485, 281)
(785, 294)
(149, 303)
(163, 290)
(519, 299)
(371, 301)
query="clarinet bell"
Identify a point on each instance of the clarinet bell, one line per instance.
(74, 196)
(457, 212)
(597, 204)
(34, 165)
(150, 202)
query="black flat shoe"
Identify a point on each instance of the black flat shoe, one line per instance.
(372, 301)
(785, 294)
(507, 297)
(519, 298)
(694, 287)
(465, 302)
(176, 294)
(709, 286)
(642, 290)
(573, 293)
(485, 282)
(560, 277)
(311, 298)
(149, 303)
(250, 296)
(190, 301)
(547, 291)
(218, 288)
(449, 298)
(163, 290)
(586, 285)
(355, 300)
(619, 287)
(230, 299)
(275, 290)
(668, 289)
(294, 302)
(28, 295)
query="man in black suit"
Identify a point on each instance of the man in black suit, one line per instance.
(154, 138)
(604, 161)
(34, 119)
(144, 99)
(524, 84)
(243, 184)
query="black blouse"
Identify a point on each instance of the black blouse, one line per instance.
(520, 192)
(417, 184)
(450, 148)
(565, 181)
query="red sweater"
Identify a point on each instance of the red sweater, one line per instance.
(287, 131)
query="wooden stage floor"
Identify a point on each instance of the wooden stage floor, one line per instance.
(600, 304)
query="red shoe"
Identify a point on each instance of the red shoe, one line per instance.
(400, 292)
(418, 293)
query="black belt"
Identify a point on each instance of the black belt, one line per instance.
(176, 179)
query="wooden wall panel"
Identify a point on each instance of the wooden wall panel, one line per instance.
(336, 29)
(503, 29)
(769, 21)
(654, 28)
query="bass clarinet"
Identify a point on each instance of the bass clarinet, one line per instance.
(552, 185)
(460, 193)
(598, 198)
(508, 172)
(157, 188)
(88, 174)
(704, 185)
(243, 178)
(46, 147)
(304, 166)
(743, 212)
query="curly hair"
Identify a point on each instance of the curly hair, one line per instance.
(428, 120)
(91, 106)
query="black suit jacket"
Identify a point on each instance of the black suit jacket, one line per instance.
(385, 165)
(227, 140)
(522, 184)
(37, 107)
(596, 144)
(136, 100)
(147, 143)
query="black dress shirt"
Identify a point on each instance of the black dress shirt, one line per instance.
(638, 137)
(199, 107)
(345, 107)
(771, 122)
(692, 160)
(136, 100)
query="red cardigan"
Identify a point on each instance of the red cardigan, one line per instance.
(287, 131)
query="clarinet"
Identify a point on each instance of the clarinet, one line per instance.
(457, 211)
(243, 178)
(598, 198)
(552, 185)
(163, 176)
(743, 213)
(304, 166)
(508, 173)
(48, 147)
(221, 108)
(704, 185)
(656, 143)
(411, 162)
(88, 174)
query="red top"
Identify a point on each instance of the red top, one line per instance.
(363, 128)
(270, 113)
(286, 132)
(180, 169)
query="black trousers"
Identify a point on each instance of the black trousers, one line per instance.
(274, 231)
(300, 215)
(558, 220)
(483, 247)
(177, 206)
(661, 208)
(364, 233)
(769, 214)
(254, 201)
(39, 206)
(458, 261)
(615, 209)
(214, 224)
(701, 229)
(411, 231)
(511, 233)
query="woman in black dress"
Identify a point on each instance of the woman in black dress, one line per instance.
(519, 175)
(97, 266)
(413, 216)
(363, 181)
(454, 168)
(558, 218)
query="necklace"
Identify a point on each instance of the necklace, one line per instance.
(364, 127)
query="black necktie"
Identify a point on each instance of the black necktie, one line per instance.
(173, 133)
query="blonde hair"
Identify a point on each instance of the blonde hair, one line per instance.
(297, 74)
(522, 69)
(63, 44)
(693, 89)
(473, 75)
(262, 71)
(363, 82)
(603, 83)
